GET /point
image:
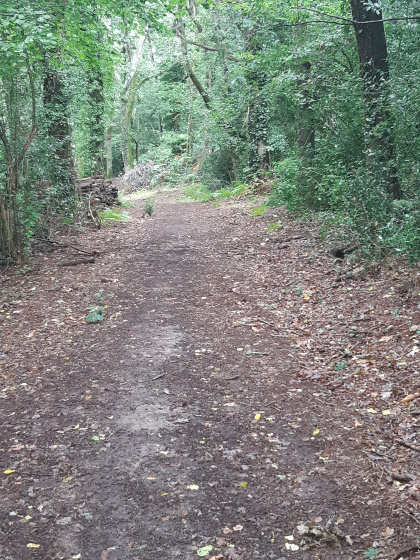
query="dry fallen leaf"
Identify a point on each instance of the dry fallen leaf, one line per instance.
(238, 528)
(226, 531)
(410, 398)
(387, 533)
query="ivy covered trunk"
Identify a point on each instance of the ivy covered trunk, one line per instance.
(97, 128)
(58, 130)
(306, 137)
(258, 117)
(374, 68)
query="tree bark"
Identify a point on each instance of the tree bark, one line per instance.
(258, 117)
(97, 129)
(58, 130)
(374, 69)
(108, 150)
(306, 138)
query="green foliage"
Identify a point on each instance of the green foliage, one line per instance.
(258, 210)
(237, 189)
(294, 109)
(371, 552)
(273, 226)
(149, 206)
(96, 315)
(113, 215)
(98, 311)
(286, 190)
(200, 193)
(197, 192)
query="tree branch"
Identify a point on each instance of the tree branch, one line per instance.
(179, 28)
(213, 49)
(348, 21)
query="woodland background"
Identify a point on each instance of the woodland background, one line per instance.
(319, 100)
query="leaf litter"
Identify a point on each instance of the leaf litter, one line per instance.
(294, 333)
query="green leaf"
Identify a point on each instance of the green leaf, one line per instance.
(205, 550)
(371, 552)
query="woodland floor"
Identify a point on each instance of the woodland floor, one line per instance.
(243, 390)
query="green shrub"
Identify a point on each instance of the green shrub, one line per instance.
(197, 192)
(149, 206)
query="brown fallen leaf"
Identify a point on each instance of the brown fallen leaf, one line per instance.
(226, 531)
(410, 398)
(231, 554)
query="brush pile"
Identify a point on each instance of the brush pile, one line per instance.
(138, 178)
(98, 188)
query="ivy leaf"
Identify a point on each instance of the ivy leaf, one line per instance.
(371, 552)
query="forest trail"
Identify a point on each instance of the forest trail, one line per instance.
(216, 405)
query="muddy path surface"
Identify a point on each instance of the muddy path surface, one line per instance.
(220, 404)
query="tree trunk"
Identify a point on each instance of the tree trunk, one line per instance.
(306, 138)
(127, 120)
(108, 149)
(180, 29)
(97, 130)
(258, 117)
(58, 130)
(374, 69)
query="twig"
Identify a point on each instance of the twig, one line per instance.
(405, 444)
(158, 376)
(269, 324)
(409, 550)
(75, 263)
(70, 246)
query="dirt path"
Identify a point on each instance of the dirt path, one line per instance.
(217, 405)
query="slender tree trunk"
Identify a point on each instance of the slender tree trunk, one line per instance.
(258, 116)
(306, 138)
(127, 120)
(108, 149)
(374, 69)
(180, 29)
(97, 129)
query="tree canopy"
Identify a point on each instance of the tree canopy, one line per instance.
(317, 99)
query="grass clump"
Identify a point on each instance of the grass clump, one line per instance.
(258, 210)
(149, 207)
(200, 193)
(237, 190)
(113, 215)
(273, 226)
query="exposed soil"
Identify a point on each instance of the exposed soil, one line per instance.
(241, 392)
